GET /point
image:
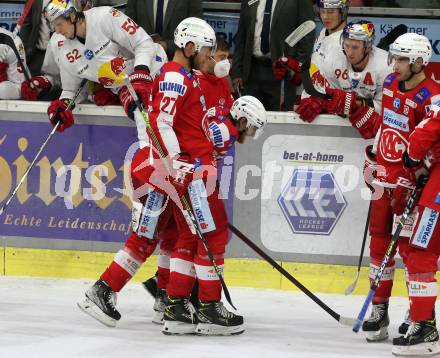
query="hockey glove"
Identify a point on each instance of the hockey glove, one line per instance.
(105, 97)
(366, 121)
(341, 102)
(311, 107)
(406, 182)
(370, 167)
(30, 90)
(58, 112)
(285, 64)
(143, 84)
(3, 68)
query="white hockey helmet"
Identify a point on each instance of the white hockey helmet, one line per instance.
(56, 8)
(412, 46)
(253, 110)
(359, 30)
(197, 31)
(334, 4)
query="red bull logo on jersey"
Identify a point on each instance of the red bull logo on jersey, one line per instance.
(109, 72)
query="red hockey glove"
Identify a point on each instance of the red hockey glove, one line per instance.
(40, 85)
(3, 68)
(105, 97)
(142, 84)
(58, 112)
(406, 182)
(285, 64)
(341, 102)
(370, 167)
(366, 121)
(310, 107)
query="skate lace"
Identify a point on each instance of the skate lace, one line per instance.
(111, 300)
(190, 308)
(223, 311)
(413, 329)
(376, 313)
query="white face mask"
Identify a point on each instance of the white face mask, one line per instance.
(221, 68)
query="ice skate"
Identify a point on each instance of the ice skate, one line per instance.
(179, 317)
(403, 328)
(159, 306)
(421, 340)
(100, 304)
(376, 327)
(216, 320)
(151, 285)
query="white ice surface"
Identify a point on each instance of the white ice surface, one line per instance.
(39, 318)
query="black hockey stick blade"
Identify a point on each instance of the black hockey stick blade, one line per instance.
(391, 36)
(346, 321)
(307, 82)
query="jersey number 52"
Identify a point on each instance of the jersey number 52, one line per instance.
(130, 26)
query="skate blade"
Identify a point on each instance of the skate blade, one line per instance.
(178, 328)
(90, 308)
(157, 318)
(207, 329)
(377, 336)
(417, 350)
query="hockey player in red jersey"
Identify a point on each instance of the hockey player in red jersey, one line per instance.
(407, 95)
(246, 118)
(217, 93)
(422, 336)
(214, 78)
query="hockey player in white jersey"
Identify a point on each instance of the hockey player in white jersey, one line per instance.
(333, 15)
(355, 76)
(39, 86)
(97, 43)
(360, 71)
(11, 73)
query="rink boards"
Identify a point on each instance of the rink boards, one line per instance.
(297, 192)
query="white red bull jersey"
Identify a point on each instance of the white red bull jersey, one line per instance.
(51, 64)
(325, 46)
(158, 60)
(366, 84)
(7, 55)
(110, 34)
(402, 112)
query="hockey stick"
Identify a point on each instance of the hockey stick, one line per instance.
(375, 284)
(391, 36)
(185, 203)
(23, 16)
(352, 285)
(342, 320)
(31, 165)
(8, 40)
(300, 32)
